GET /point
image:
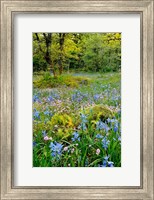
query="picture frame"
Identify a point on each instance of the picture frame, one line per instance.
(8, 10)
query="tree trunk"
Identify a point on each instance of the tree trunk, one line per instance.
(61, 43)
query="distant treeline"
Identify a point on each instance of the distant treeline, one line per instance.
(58, 52)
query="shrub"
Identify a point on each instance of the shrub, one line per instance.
(62, 124)
(48, 81)
(99, 112)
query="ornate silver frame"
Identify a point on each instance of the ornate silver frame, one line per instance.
(8, 11)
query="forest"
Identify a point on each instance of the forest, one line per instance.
(76, 99)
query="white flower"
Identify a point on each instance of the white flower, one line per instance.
(65, 148)
(46, 138)
(72, 150)
(98, 151)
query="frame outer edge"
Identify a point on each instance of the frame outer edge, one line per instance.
(3, 100)
(7, 192)
(150, 138)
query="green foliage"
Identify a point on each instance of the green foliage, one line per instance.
(80, 51)
(61, 125)
(39, 63)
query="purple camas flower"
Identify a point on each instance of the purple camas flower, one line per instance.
(107, 163)
(50, 98)
(100, 125)
(75, 136)
(36, 114)
(105, 143)
(47, 112)
(36, 99)
(56, 148)
(98, 136)
(83, 118)
(110, 164)
(34, 144)
(115, 128)
(44, 133)
(96, 97)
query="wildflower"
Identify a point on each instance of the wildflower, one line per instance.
(83, 118)
(115, 127)
(107, 163)
(82, 126)
(89, 145)
(69, 165)
(105, 143)
(34, 144)
(96, 97)
(36, 114)
(72, 150)
(46, 138)
(47, 112)
(110, 164)
(100, 125)
(119, 138)
(56, 148)
(65, 148)
(75, 136)
(36, 99)
(99, 136)
(111, 120)
(50, 98)
(98, 151)
(44, 133)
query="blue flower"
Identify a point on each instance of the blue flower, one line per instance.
(36, 114)
(105, 143)
(83, 118)
(34, 144)
(82, 126)
(44, 133)
(115, 128)
(50, 98)
(36, 99)
(56, 148)
(96, 97)
(99, 136)
(111, 120)
(47, 112)
(75, 137)
(100, 125)
(119, 138)
(73, 97)
(107, 163)
(110, 164)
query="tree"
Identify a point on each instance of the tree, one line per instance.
(61, 43)
(45, 38)
(77, 51)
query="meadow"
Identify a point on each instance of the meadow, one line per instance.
(77, 119)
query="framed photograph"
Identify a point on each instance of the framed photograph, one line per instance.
(77, 99)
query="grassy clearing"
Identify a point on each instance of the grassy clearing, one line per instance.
(48, 81)
(77, 120)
